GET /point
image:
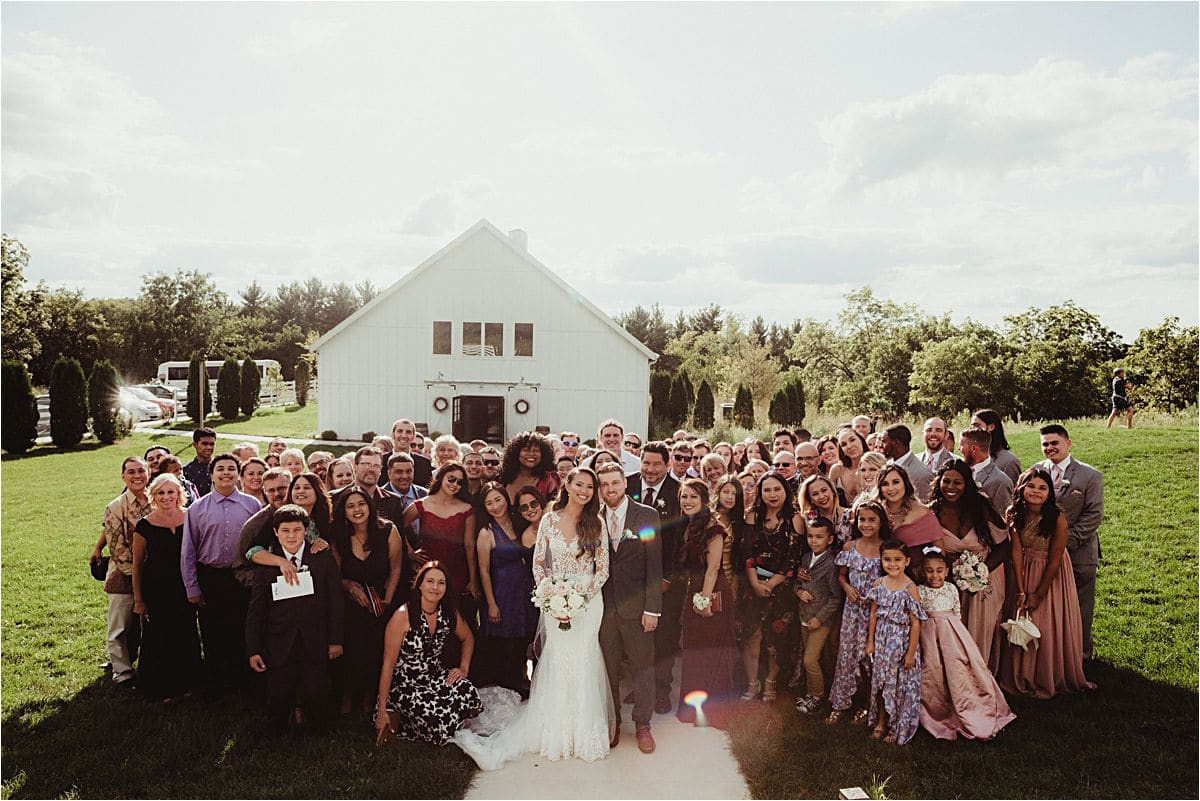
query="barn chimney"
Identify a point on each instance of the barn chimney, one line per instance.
(520, 239)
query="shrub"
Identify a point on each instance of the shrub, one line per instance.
(302, 383)
(104, 401)
(18, 408)
(779, 411)
(198, 390)
(660, 395)
(368, 437)
(678, 405)
(702, 416)
(329, 434)
(743, 407)
(229, 389)
(68, 403)
(251, 387)
(795, 406)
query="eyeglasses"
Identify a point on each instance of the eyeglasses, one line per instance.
(491, 462)
(570, 443)
(681, 458)
(526, 507)
(785, 464)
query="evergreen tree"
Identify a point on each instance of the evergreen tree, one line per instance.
(302, 383)
(104, 399)
(660, 394)
(198, 389)
(780, 412)
(68, 403)
(677, 409)
(251, 387)
(689, 393)
(702, 415)
(795, 406)
(18, 408)
(743, 407)
(229, 389)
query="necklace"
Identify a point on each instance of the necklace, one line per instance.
(895, 518)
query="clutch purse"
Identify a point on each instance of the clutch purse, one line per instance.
(716, 602)
(375, 603)
(99, 569)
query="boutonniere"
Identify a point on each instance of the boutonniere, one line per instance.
(1064, 484)
(628, 535)
(660, 504)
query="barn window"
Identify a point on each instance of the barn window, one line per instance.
(472, 334)
(441, 337)
(493, 339)
(523, 340)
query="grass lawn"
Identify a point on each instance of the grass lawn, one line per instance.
(66, 732)
(272, 421)
(1135, 737)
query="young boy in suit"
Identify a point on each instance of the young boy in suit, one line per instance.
(293, 639)
(820, 601)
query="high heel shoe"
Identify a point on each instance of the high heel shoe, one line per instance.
(769, 693)
(752, 690)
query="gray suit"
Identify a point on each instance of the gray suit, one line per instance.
(634, 586)
(1082, 501)
(918, 474)
(995, 484)
(943, 458)
(1008, 463)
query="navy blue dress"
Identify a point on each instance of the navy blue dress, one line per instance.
(504, 645)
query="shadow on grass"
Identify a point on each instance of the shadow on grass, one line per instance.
(52, 450)
(1131, 738)
(106, 743)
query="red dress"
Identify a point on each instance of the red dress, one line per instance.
(444, 539)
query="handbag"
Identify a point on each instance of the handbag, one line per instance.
(375, 604)
(99, 568)
(1022, 631)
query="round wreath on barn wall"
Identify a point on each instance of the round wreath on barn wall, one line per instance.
(521, 406)
(440, 404)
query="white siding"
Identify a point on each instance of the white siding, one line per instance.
(378, 367)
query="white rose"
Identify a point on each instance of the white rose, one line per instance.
(575, 603)
(558, 605)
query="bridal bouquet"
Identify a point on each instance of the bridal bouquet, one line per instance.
(970, 573)
(561, 599)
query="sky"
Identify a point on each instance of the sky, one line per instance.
(975, 158)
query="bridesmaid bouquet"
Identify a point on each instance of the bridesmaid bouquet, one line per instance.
(970, 573)
(561, 600)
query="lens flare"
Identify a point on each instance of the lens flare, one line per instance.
(646, 534)
(695, 698)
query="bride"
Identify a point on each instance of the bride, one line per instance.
(570, 711)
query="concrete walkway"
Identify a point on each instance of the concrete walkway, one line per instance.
(152, 428)
(689, 762)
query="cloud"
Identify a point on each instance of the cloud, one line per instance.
(612, 147)
(435, 214)
(300, 36)
(1057, 120)
(62, 199)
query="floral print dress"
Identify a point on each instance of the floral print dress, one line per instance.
(776, 552)
(900, 687)
(429, 709)
(855, 616)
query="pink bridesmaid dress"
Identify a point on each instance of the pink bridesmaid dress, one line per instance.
(981, 610)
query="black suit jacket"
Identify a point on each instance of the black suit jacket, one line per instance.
(422, 469)
(671, 519)
(316, 621)
(635, 568)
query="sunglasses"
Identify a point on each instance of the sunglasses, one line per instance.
(680, 458)
(491, 462)
(455, 480)
(570, 443)
(632, 444)
(525, 507)
(785, 464)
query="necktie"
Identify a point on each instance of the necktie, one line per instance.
(296, 562)
(1057, 474)
(648, 498)
(612, 529)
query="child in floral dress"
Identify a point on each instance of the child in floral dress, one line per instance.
(893, 637)
(859, 561)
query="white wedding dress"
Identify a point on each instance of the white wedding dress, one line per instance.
(570, 712)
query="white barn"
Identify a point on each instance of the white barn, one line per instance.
(481, 340)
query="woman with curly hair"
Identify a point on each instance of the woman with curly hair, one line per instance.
(529, 460)
(1046, 591)
(970, 524)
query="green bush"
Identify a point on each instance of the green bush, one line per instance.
(18, 408)
(678, 405)
(368, 437)
(660, 395)
(795, 406)
(251, 387)
(302, 383)
(329, 434)
(743, 407)
(229, 389)
(702, 416)
(104, 402)
(68, 403)
(778, 412)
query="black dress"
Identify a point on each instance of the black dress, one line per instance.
(169, 665)
(362, 653)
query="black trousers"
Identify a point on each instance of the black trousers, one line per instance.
(666, 637)
(223, 625)
(622, 641)
(302, 680)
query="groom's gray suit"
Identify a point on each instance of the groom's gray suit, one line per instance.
(634, 587)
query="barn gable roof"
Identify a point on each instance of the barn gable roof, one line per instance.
(483, 227)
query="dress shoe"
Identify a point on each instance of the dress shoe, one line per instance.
(616, 738)
(662, 706)
(645, 740)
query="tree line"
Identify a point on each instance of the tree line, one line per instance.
(895, 359)
(173, 316)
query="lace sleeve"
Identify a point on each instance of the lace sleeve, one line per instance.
(601, 562)
(541, 549)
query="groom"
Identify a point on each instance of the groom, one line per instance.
(632, 599)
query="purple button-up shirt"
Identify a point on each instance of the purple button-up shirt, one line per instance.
(210, 533)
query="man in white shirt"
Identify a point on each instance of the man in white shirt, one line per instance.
(935, 455)
(976, 451)
(896, 441)
(681, 460)
(610, 436)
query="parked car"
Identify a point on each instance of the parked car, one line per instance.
(141, 407)
(43, 424)
(166, 397)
